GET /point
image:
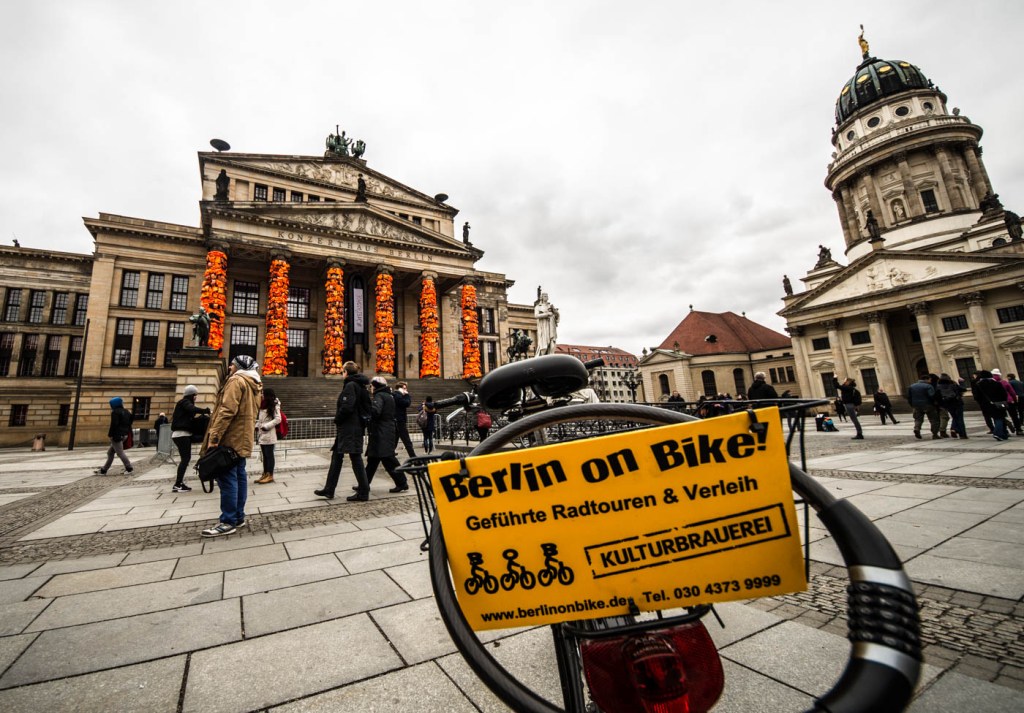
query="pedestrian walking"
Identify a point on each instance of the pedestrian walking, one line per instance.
(483, 423)
(383, 438)
(232, 425)
(761, 389)
(839, 405)
(883, 406)
(991, 397)
(950, 395)
(921, 397)
(353, 403)
(402, 402)
(187, 422)
(849, 398)
(1018, 389)
(1011, 400)
(119, 431)
(266, 433)
(427, 421)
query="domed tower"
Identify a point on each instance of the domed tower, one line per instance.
(901, 156)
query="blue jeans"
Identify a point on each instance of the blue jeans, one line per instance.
(234, 490)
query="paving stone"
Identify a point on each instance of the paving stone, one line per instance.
(129, 601)
(12, 646)
(955, 693)
(999, 531)
(308, 533)
(747, 691)
(81, 564)
(268, 670)
(110, 578)
(155, 554)
(319, 601)
(969, 548)
(142, 688)
(281, 574)
(93, 647)
(17, 571)
(340, 542)
(16, 616)
(978, 577)
(229, 544)
(18, 590)
(413, 578)
(740, 622)
(381, 556)
(233, 559)
(399, 690)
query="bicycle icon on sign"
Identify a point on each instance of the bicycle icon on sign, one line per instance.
(517, 573)
(480, 577)
(554, 568)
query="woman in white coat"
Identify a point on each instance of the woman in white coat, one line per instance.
(266, 432)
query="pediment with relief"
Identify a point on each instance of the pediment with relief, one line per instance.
(960, 350)
(889, 273)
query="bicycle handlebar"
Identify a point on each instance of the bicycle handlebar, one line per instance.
(885, 656)
(463, 399)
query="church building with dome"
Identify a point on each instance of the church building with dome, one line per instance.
(932, 275)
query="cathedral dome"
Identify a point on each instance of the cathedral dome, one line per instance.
(874, 80)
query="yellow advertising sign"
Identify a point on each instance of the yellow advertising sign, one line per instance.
(666, 517)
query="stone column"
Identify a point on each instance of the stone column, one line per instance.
(430, 327)
(948, 181)
(876, 205)
(100, 287)
(842, 368)
(886, 361)
(334, 318)
(850, 235)
(384, 321)
(921, 311)
(979, 179)
(275, 339)
(803, 367)
(851, 212)
(914, 205)
(214, 291)
(982, 332)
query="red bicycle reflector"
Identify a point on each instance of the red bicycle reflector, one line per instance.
(673, 670)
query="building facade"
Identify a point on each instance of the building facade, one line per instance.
(617, 381)
(712, 353)
(302, 262)
(934, 273)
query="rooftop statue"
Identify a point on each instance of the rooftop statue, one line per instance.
(340, 145)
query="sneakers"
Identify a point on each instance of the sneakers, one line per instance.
(180, 488)
(243, 523)
(220, 529)
(917, 435)
(324, 494)
(400, 489)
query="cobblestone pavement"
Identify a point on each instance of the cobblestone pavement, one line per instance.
(979, 636)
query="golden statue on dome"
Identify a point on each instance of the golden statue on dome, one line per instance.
(863, 44)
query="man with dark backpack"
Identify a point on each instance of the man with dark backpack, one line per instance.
(850, 398)
(353, 411)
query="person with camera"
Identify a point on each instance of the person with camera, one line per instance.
(232, 426)
(188, 424)
(351, 415)
(383, 436)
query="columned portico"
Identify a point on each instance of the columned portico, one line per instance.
(983, 332)
(884, 357)
(922, 313)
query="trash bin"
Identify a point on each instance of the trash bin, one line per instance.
(39, 442)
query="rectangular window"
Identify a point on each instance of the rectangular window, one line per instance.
(1005, 314)
(965, 367)
(869, 381)
(486, 317)
(123, 335)
(12, 305)
(860, 338)
(259, 192)
(915, 335)
(130, 288)
(773, 376)
(74, 358)
(827, 377)
(790, 376)
(6, 349)
(298, 338)
(175, 342)
(140, 408)
(819, 343)
(298, 303)
(59, 313)
(179, 293)
(243, 341)
(930, 204)
(36, 302)
(1018, 363)
(19, 415)
(952, 324)
(296, 197)
(81, 309)
(246, 298)
(29, 352)
(490, 352)
(279, 196)
(51, 357)
(148, 344)
(155, 291)
(313, 199)
(64, 415)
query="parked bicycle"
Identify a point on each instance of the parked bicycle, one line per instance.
(664, 662)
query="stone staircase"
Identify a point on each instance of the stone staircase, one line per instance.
(316, 396)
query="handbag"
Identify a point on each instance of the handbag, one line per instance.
(215, 462)
(127, 442)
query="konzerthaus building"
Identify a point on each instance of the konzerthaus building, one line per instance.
(303, 262)
(934, 280)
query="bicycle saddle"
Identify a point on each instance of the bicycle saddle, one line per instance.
(552, 375)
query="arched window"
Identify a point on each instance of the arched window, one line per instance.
(741, 381)
(663, 384)
(707, 378)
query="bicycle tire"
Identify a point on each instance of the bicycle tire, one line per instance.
(884, 661)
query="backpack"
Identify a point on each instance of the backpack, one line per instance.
(483, 419)
(422, 418)
(364, 405)
(856, 398)
(282, 428)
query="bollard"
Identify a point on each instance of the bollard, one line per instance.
(39, 442)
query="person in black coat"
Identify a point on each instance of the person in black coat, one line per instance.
(402, 402)
(383, 436)
(348, 439)
(883, 406)
(991, 396)
(761, 389)
(120, 429)
(850, 398)
(187, 422)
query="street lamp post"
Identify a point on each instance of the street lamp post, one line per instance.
(631, 382)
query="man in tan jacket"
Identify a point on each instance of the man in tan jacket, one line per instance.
(232, 425)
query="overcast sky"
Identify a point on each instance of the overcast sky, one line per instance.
(633, 158)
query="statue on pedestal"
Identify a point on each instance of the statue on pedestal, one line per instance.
(201, 328)
(547, 325)
(1012, 222)
(223, 183)
(360, 189)
(824, 256)
(787, 285)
